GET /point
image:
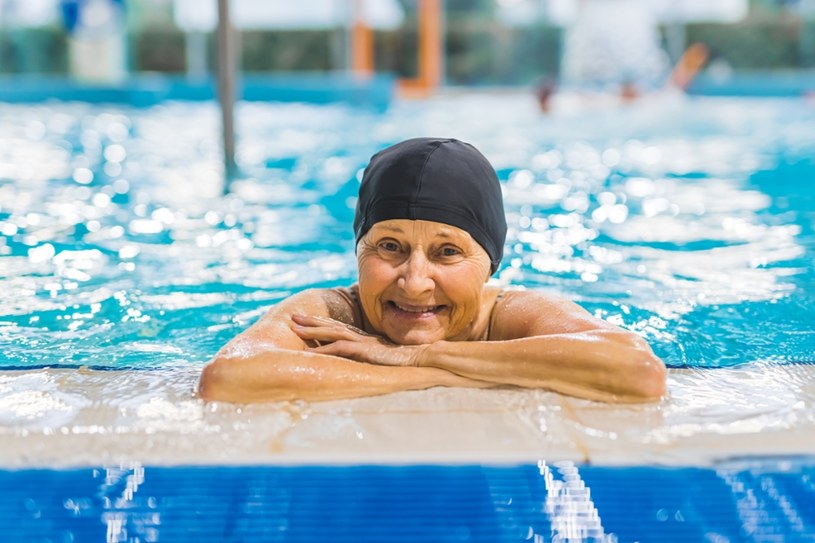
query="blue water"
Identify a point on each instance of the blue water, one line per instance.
(692, 223)
(768, 500)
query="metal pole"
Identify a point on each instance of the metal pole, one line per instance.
(226, 88)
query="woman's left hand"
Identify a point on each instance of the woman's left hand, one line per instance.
(340, 339)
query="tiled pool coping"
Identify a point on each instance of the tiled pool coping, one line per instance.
(77, 417)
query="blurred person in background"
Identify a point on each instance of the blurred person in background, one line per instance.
(614, 46)
(613, 54)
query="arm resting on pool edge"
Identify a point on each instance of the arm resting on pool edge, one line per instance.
(546, 341)
(602, 365)
(269, 362)
(597, 365)
(537, 341)
(278, 375)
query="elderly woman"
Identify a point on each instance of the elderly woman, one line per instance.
(430, 230)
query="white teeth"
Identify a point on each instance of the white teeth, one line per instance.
(416, 309)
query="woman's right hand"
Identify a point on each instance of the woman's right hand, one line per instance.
(339, 339)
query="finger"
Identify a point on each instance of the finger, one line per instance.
(331, 332)
(326, 334)
(362, 352)
(311, 320)
(344, 349)
(319, 333)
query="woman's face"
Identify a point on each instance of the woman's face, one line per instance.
(421, 281)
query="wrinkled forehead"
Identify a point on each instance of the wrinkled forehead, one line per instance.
(420, 231)
(418, 227)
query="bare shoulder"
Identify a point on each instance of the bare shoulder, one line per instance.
(335, 303)
(524, 313)
(274, 328)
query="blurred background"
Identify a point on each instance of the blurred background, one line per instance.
(483, 42)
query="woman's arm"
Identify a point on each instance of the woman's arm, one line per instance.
(269, 362)
(549, 342)
(537, 341)
(276, 375)
(600, 365)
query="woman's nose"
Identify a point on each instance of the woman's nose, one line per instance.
(416, 277)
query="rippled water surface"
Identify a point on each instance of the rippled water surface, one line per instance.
(691, 221)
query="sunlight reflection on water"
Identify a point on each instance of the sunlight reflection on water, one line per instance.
(113, 222)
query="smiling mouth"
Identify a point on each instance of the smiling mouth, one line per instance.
(416, 309)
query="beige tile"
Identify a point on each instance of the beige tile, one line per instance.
(708, 415)
(436, 425)
(75, 417)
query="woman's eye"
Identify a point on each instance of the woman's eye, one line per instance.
(389, 246)
(450, 251)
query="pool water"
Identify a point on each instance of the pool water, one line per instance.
(690, 221)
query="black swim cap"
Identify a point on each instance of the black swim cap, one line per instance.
(431, 179)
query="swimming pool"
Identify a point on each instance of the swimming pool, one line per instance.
(690, 221)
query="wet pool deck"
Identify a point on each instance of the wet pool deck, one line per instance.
(59, 418)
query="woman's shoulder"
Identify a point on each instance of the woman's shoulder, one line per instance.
(516, 308)
(518, 294)
(342, 304)
(507, 296)
(338, 303)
